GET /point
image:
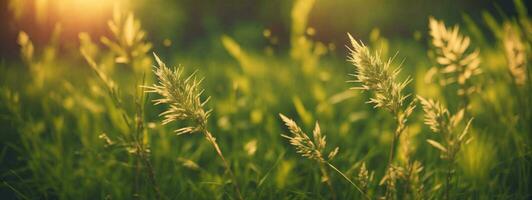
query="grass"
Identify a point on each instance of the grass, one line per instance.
(82, 124)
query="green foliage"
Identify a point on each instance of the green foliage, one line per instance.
(82, 124)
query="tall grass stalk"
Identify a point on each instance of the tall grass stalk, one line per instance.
(441, 121)
(182, 95)
(456, 63)
(377, 77)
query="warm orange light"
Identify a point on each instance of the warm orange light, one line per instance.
(83, 10)
(44, 10)
(38, 17)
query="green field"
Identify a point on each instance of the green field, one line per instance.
(101, 117)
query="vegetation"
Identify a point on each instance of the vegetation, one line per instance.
(451, 120)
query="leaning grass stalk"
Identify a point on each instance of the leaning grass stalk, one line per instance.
(348, 180)
(327, 180)
(212, 140)
(183, 94)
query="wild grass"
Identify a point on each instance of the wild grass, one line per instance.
(456, 64)
(82, 124)
(182, 95)
(314, 149)
(441, 121)
(133, 140)
(377, 77)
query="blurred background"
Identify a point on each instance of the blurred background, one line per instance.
(195, 25)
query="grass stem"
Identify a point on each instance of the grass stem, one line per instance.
(349, 180)
(212, 140)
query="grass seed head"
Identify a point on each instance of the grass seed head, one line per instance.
(440, 121)
(363, 177)
(312, 149)
(516, 55)
(437, 117)
(182, 95)
(376, 76)
(457, 64)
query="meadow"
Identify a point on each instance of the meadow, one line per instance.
(443, 114)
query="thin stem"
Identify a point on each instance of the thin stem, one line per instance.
(389, 165)
(138, 139)
(141, 155)
(448, 180)
(328, 180)
(400, 127)
(396, 136)
(392, 150)
(151, 175)
(212, 140)
(349, 180)
(136, 185)
(138, 157)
